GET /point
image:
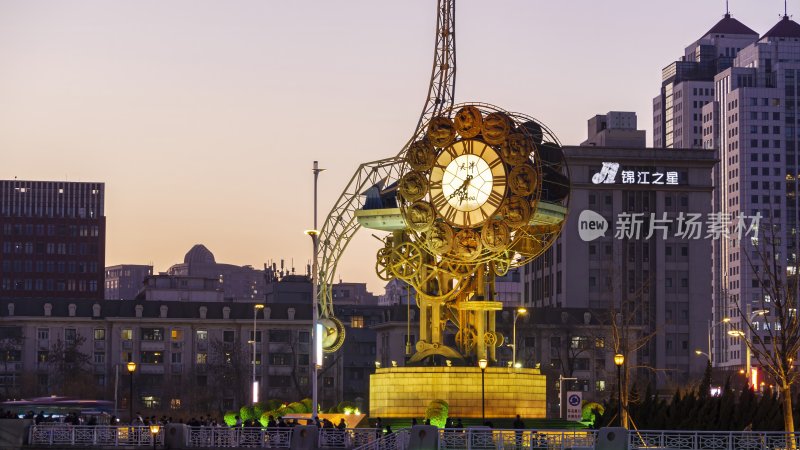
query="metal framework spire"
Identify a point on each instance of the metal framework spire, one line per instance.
(341, 224)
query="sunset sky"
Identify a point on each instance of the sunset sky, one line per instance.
(203, 117)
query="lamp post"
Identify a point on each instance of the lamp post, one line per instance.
(154, 429)
(746, 336)
(711, 327)
(517, 313)
(131, 368)
(255, 383)
(314, 300)
(619, 360)
(482, 364)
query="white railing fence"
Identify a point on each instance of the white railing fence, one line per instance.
(393, 441)
(347, 438)
(493, 439)
(92, 435)
(712, 440)
(239, 437)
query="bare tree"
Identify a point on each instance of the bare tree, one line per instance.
(776, 344)
(70, 369)
(229, 370)
(630, 331)
(11, 355)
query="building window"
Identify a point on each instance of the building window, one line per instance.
(327, 381)
(228, 336)
(201, 335)
(176, 334)
(582, 364)
(176, 358)
(600, 385)
(280, 359)
(302, 359)
(99, 358)
(303, 337)
(70, 335)
(99, 334)
(150, 401)
(599, 342)
(258, 336)
(174, 403)
(280, 335)
(579, 342)
(201, 358)
(152, 334)
(357, 322)
(152, 357)
(43, 334)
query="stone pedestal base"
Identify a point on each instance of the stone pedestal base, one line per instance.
(406, 391)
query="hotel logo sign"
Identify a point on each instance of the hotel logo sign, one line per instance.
(608, 175)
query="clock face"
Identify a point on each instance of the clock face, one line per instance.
(468, 183)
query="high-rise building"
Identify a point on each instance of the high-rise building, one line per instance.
(688, 84)
(53, 239)
(124, 281)
(752, 124)
(614, 129)
(607, 257)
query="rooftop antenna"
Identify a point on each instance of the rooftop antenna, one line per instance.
(727, 10)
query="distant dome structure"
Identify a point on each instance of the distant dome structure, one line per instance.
(199, 254)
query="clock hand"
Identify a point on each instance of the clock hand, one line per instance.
(462, 190)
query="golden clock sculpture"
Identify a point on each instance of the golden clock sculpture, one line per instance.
(482, 191)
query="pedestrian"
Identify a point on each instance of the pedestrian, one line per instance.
(342, 424)
(413, 421)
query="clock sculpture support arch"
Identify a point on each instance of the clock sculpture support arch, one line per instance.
(341, 225)
(475, 191)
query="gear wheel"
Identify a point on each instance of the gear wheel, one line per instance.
(405, 260)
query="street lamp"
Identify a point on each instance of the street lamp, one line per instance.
(255, 383)
(746, 336)
(619, 360)
(482, 363)
(699, 352)
(154, 429)
(314, 234)
(710, 331)
(131, 368)
(517, 313)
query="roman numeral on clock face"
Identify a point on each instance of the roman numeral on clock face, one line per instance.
(495, 199)
(494, 163)
(466, 218)
(450, 214)
(439, 201)
(468, 147)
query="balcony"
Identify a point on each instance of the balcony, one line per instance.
(12, 366)
(152, 368)
(99, 345)
(176, 368)
(151, 346)
(127, 344)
